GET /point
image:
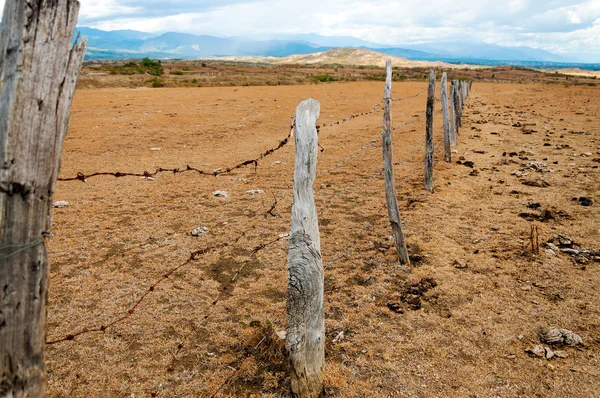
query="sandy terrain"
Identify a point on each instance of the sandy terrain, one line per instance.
(119, 236)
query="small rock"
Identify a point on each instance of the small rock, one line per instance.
(255, 192)
(571, 252)
(281, 335)
(278, 162)
(283, 236)
(550, 252)
(155, 149)
(585, 201)
(495, 228)
(199, 231)
(553, 247)
(560, 354)
(217, 171)
(220, 194)
(340, 336)
(565, 241)
(60, 204)
(526, 287)
(536, 351)
(460, 264)
(554, 336)
(548, 353)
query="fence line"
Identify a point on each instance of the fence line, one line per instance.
(262, 246)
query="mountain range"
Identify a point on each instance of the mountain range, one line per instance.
(123, 44)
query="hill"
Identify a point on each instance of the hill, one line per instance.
(340, 56)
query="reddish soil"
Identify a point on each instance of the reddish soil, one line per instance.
(461, 333)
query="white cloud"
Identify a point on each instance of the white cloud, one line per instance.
(565, 26)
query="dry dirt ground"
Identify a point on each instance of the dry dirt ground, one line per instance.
(461, 333)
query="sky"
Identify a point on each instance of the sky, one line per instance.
(568, 27)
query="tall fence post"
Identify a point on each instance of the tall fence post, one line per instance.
(305, 329)
(388, 169)
(429, 132)
(457, 107)
(447, 133)
(39, 70)
(452, 116)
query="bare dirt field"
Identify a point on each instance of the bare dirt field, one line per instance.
(454, 324)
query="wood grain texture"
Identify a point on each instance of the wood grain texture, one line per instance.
(388, 170)
(39, 70)
(447, 133)
(452, 117)
(429, 132)
(305, 337)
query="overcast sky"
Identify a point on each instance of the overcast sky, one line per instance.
(560, 26)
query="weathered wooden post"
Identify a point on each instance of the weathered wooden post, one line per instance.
(429, 132)
(447, 133)
(457, 105)
(452, 116)
(39, 72)
(388, 169)
(305, 329)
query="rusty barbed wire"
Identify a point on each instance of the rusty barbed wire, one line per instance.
(102, 328)
(82, 177)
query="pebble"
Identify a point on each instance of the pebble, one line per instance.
(60, 204)
(255, 191)
(155, 149)
(220, 194)
(199, 231)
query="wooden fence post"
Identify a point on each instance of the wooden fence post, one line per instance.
(452, 114)
(447, 133)
(388, 169)
(429, 132)
(457, 105)
(305, 329)
(39, 72)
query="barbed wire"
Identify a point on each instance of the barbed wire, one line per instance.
(370, 144)
(82, 177)
(102, 328)
(410, 96)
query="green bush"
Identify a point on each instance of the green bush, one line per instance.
(156, 82)
(194, 81)
(323, 77)
(176, 72)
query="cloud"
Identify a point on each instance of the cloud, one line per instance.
(564, 26)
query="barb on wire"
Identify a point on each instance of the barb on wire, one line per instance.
(102, 328)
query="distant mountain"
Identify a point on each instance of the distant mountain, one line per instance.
(337, 56)
(482, 51)
(121, 44)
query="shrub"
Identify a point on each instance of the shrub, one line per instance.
(176, 72)
(323, 77)
(194, 81)
(156, 82)
(204, 64)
